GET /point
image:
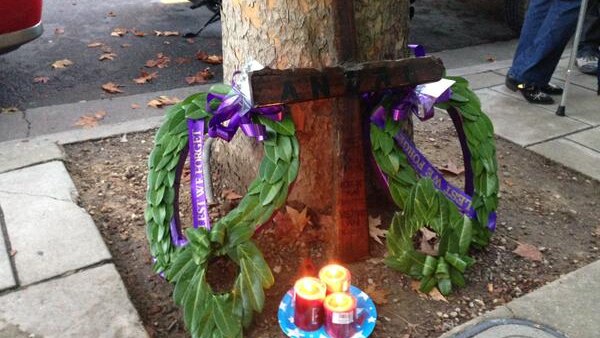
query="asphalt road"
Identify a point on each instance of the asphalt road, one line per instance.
(71, 25)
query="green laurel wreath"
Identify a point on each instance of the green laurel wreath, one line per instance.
(206, 313)
(423, 205)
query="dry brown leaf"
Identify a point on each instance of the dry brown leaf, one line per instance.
(490, 58)
(59, 64)
(528, 251)
(145, 77)
(95, 44)
(211, 59)
(135, 106)
(379, 296)
(41, 79)
(9, 110)
(161, 61)
(200, 77)
(59, 31)
(90, 121)
(162, 101)
(299, 219)
(231, 195)
(107, 56)
(452, 168)
(429, 243)
(190, 40)
(125, 45)
(434, 294)
(374, 231)
(119, 32)
(597, 232)
(166, 33)
(112, 88)
(138, 33)
(490, 287)
(111, 14)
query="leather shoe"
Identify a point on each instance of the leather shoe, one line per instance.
(551, 89)
(532, 94)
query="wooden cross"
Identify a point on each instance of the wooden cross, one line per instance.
(343, 85)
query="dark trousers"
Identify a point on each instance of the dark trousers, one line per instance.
(590, 35)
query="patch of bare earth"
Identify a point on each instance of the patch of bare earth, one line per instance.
(541, 203)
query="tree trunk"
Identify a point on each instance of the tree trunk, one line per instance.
(285, 34)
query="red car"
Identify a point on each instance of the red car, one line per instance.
(20, 22)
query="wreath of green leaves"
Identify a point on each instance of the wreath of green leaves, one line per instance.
(206, 313)
(423, 205)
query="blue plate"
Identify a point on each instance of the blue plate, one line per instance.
(365, 310)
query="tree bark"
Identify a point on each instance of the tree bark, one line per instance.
(283, 34)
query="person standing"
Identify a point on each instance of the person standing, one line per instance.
(548, 26)
(587, 51)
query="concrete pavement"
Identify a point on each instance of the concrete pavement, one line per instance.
(56, 274)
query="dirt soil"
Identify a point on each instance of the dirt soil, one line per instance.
(541, 203)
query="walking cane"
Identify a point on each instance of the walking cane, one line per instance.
(563, 101)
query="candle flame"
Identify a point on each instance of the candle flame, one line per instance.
(340, 302)
(310, 288)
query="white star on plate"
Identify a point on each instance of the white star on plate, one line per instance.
(291, 319)
(363, 295)
(358, 335)
(283, 306)
(295, 333)
(372, 320)
(322, 336)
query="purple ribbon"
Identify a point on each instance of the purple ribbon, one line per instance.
(234, 112)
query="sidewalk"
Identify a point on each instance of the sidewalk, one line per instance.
(56, 274)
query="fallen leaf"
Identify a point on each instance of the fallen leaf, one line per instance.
(162, 101)
(41, 79)
(211, 59)
(528, 251)
(135, 106)
(434, 294)
(106, 49)
(299, 219)
(182, 60)
(95, 44)
(490, 287)
(161, 61)
(138, 33)
(111, 14)
(59, 31)
(597, 232)
(166, 33)
(451, 168)
(61, 63)
(112, 88)
(125, 45)
(429, 243)
(200, 77)
(190, 40)
(90, 121)
(374, 231)
(145, 77)
(9, 110)
(119, 32)
(107, 56)
(231, 195)
(490, 58)
(379, 296)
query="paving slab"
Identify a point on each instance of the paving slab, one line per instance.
(49, 179)
(588, 138)
(89, 303)
(51, 236)
(21, 153)
(13, 125)
(484, 80)
(569, 304)
(523, 123)
(571, 155)
(7, 279)
(58, 118)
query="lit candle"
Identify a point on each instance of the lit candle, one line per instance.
(336, 277)
(309, 294)
(340, 312)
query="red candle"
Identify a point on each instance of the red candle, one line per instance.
(335, 277)
(309, 294)
(340, 314)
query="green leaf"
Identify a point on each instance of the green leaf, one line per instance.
(269, 192)
(222, 309)
(250, 255)
(251, 288)
(465, 235)
(456, 261)
(458, 98)
(266, 169)
(445, 286)
(442, 269)
(220, 88)
(430, 265)
(293, 170)
(285, 127)
(284, 148)
(280, 170)
(427, 284)
(457, 278)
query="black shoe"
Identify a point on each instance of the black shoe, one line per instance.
(551, 89)
(532, 94)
